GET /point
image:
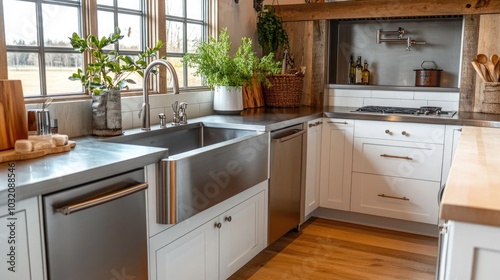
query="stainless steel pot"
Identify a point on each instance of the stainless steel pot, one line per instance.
(428, 77)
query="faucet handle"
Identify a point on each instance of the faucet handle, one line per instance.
(182, 113)
(163, 120)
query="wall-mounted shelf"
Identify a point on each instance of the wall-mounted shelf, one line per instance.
(385, 9)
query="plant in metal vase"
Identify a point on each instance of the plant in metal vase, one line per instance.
(105, 76)
(226, 73)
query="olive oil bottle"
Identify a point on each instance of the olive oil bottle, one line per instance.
(352, 70)
(359, 70)
(365, 75)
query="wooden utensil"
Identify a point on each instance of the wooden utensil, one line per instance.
(490, 67)
(14, 125)
(497, 71)
(477, 67)
(494, 59)
(483, 59)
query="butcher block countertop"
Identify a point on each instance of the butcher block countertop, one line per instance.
(472, 191)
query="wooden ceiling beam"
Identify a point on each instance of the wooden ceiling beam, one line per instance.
(386, 9)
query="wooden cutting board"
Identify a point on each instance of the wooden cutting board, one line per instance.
(12, 155)
(13, 123)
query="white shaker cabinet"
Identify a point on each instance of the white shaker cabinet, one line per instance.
(313, 164)
(22, 232)
(451, 137)
(217, 248)
(336, 163)
(397, 170)
(473, 251)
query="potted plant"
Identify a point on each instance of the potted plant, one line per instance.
(287, 87)
(270, 31)
(226, 73)
(104, 77)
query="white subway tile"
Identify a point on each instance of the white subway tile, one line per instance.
(193, 111)
(438, 96)
(131, 103)
(346, 101)
(381, 102)
(351, 93)
(446, 105)
(206, 108)
(391, 94)
(127, 120)
(413, 103)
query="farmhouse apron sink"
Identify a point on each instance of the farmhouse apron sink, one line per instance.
(207, 164)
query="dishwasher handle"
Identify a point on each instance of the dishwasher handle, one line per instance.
(69, 209)
(289, 137)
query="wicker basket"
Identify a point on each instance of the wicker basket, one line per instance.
(286, 90)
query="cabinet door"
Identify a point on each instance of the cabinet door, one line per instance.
(194, 256)
(242, 234)
(313, 164)
(336, 163)
(21, 242)
(452, 134)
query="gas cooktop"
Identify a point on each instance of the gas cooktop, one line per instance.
(430, 111)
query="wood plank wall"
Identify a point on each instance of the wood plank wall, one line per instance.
(306, 25)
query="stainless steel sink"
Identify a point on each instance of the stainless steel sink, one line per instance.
(206, 165)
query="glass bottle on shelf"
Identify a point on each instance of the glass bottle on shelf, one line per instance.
(352, 70)
(365, 75)
(359, 70)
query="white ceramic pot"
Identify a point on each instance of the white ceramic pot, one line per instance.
(228, 100)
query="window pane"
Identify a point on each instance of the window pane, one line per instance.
(105, 2)
(174, 8)
(136, 78)
(193, 81)
(58, 67)
(195, 10)
(105, 25)
(20, 23)
(194, 35)
(177, 63)
(24, 67)
(175, 37)
(130, 4)
(55, 33)
(130, 26)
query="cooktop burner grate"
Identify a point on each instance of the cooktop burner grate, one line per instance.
(422, 111)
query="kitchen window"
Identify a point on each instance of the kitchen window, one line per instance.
(38, 49)
(38, 52)
(186, 25)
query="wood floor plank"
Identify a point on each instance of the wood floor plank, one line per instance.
(327, 249)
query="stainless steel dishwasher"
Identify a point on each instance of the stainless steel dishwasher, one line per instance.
(98, 230)
(285, 185)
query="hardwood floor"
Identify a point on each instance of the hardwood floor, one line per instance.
(327, 249)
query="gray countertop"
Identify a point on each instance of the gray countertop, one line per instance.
(467, 119)
(92, 159)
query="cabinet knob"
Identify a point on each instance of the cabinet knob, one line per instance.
(218, 225)
(405, 133)
(387, 131)
(228, 219)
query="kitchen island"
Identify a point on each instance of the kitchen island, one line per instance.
(471, 207)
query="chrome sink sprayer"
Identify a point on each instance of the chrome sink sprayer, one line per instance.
(146, 120)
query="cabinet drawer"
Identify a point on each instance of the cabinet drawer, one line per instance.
(398, 159)
(400, 198)
(411, 132)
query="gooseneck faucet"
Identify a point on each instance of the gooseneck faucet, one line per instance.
(146, 120)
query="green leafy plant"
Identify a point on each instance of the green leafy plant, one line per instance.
(270, 31)
(214, 63)
(108, 70)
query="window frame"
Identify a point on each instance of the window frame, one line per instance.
(154, 27)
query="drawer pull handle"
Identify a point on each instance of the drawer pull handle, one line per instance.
(394, 197)
(400, 157)
(315, 124)
(387, 131)
(337, 122)
(405, 133)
